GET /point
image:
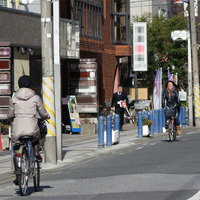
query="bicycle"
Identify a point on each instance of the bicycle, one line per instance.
(27, 165)
(170, 114)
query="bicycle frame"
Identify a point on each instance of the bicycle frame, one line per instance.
(31, 156)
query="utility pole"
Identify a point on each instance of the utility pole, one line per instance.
(195, 64)
(57, 75)
(190, 82)
(190, 101)
(47, 80)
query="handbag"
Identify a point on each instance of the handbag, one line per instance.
(43, 128)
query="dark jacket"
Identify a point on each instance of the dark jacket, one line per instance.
(116, 98)
(171, 101)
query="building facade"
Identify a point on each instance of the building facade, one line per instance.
(104, 29)
(105, 37)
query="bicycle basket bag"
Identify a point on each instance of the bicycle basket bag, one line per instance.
(170, 112)
(42, 127)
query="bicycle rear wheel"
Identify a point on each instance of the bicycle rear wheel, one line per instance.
(36, 176)
(170, 131)
(23, 175)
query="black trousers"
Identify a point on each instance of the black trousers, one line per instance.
(120, 112)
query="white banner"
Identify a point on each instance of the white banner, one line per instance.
(140, 46)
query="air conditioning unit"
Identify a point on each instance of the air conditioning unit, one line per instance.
(25, 2)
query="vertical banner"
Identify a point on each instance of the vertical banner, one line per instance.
(140, 46)
(169, 75)
(17, 4)
(73, 113)
(157, 90)
(116, 81)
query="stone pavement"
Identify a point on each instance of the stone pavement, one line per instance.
(79, 147)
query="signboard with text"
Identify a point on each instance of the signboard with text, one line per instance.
(140, 46)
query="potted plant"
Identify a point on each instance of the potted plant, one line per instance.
(145, 126)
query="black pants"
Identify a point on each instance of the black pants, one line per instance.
(120, 112)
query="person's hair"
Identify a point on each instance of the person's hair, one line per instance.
(25, 82)
(120, 85)
(174, 84)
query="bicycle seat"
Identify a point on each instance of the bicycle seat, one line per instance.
(25, 138)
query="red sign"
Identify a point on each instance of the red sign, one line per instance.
(4, 64)
(4, 52)
(178, 1)
(4, 101)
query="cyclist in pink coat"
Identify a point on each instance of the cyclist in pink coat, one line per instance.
(23, 108)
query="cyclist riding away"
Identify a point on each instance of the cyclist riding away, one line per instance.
(171, 97)
(23, 108)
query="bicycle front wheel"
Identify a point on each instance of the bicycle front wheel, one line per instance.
(23, 175)
(174, 136)
(36, 176)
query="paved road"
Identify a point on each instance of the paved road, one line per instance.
(156, 170)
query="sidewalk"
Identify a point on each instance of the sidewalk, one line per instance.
(78, 147)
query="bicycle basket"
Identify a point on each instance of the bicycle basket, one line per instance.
(170, 112)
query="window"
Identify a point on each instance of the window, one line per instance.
(3, 3)
(89, 15)
(120, 22)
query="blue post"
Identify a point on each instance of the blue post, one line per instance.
(101, 132)
(140, 132)
(151, 118)
(180, 117)
(108, 130)
(163, 117)
(160, 129)
(156, 121)
(117, 126)
(183, 117)
(145, 114)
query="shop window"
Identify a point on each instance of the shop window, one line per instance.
(120, 22)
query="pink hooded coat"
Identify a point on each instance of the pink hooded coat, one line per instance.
(24, 106)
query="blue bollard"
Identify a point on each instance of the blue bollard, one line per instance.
(140, 132)
(160, 129)
(151, 118)
(101, 132)
(180, 117)
(108, 130)
(183, 117)
(145, 114)
(156, 121)
(117, 125)
(163, 117)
